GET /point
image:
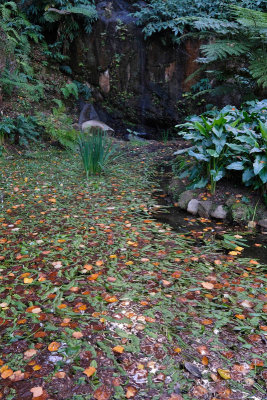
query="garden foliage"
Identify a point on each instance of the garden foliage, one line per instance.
(96, 151)
(225, 141)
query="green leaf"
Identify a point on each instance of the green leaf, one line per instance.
(259, 163)
(212, 153)
(238, 166)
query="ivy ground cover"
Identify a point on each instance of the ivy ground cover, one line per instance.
(100, 301)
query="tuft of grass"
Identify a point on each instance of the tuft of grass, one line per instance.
(96, 151)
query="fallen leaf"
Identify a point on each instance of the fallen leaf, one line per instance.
(102, 393)
(118, 349)
(29, 353)
(77, 335)
(60, 375)
(207, 285)
(199, 391)
(131, 392)
(17, 376)
(177, 350)
(36, 391)
(54, 346)
(89, 371)
(240, 316)
(205, 360)
(7, 373)
(224, 373)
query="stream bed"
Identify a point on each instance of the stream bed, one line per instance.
(202, 229)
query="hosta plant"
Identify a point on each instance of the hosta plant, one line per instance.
(225, 140)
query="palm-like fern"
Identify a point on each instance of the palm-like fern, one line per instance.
(247, 42)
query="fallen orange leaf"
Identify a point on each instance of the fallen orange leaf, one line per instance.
(118, 349)
(54, 346)
(89, 371)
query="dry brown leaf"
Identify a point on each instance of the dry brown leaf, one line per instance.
(36, 391)
(199, 391)
(60, 375)
(102, 393)
(207, 285)
(77, 335)
(29, 353)
(17, 376)
(131, 392)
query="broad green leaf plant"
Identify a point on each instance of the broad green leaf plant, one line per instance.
(226, 140)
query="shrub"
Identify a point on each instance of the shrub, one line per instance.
(20, 130)
(227, 140)
(16, 33)
(58, 126)
(96, 151)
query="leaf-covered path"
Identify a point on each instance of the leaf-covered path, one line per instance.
(100, 301)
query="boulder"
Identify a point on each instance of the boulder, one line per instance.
(204, 208)
(93, 124)
(185, 198)
(134, 138)
(240, 212)
(176, 187)
(192, 207)
(263, 223)
(219, 212)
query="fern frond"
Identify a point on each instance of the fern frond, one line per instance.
(213, 24)
(250, 18)
(222, 49)
(258, 69)
(86, 11)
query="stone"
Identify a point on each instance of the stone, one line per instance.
(204, 208)
(230, 201)
(240, 212)
(93, 124)
(104, 81)
(192, 207)
(252, 225)
(263, 223)
(219, 212)
(185, 198)
(176, 187)
(134, 138)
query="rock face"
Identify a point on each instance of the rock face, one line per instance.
(142, 80)
(88, 125)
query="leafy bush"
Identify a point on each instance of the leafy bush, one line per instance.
(16, 32)
(68, 17)
(96, 151)
(225, 140)
(70, 89)
(230, 30)
(58, 126)
(20, 130)
(175, 16)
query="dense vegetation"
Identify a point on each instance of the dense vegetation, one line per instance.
(98, 299)
(227, 140)
(233, 34)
